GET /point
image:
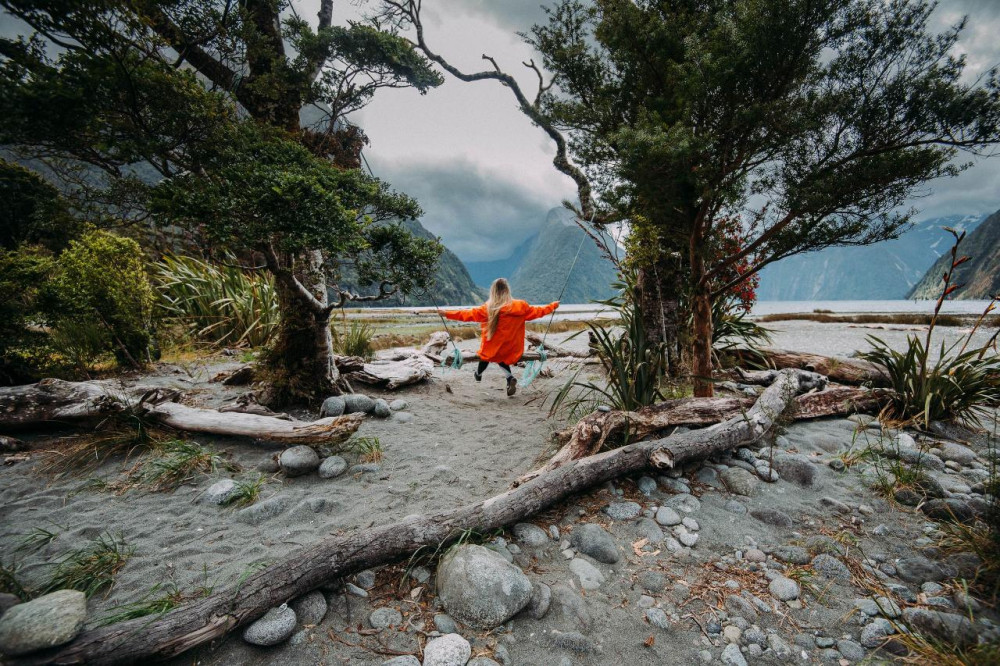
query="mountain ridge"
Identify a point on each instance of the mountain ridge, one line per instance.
(979, 277)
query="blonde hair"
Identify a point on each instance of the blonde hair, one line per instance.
(499, 297)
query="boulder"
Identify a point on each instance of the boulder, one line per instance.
(593, 540)
(332, 467)
(480, 588)
(796, 468)
(772, 517)
(50, 620)
(951, 627)
(310, 608)
(381, 409)
(298, 460)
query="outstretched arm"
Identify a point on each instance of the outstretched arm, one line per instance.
(473, 314)
(539, 311)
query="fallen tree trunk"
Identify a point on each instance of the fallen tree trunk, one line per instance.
(394, 370)
(839, 370)
(589, 435)
(202, 621)
(53, 401)
(436, 350)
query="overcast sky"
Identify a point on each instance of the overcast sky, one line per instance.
(484, 174)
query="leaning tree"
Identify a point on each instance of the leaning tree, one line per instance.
(190, 111)
(809, 123)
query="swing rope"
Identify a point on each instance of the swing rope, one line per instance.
(533, 368)
(452, 360)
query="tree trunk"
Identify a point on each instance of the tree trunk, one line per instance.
(199, 622)
(701, 344)
(658, 288)
(300, 366)
(840, 370)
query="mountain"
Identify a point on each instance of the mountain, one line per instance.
(453, 285)
(542, 273)
(883, 271)
(484, 272)
(979, 277)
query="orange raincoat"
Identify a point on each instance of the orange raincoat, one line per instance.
(507, 344)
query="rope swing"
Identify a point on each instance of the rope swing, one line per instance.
(533, 368)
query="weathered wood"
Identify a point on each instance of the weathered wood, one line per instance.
(589, 434)
(551, 349)
(57, 401)
(395, 369)
(204, 620)
(840, 370)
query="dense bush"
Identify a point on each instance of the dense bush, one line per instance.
(103, 298)
(33, 211)
(23, 342)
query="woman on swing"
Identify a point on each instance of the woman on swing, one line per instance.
(502, 321)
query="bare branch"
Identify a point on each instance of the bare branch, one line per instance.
(385, 290)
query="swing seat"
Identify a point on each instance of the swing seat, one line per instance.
(533, 368)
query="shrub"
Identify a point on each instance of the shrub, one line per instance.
(634, 367)
(102, 283)
(23, 343)
(355, 339)
(221, 304)
(960, 384)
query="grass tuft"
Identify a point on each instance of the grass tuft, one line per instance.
(247, 491)
(93, 567)
(369, 449)
(159, 600)
(177, 462)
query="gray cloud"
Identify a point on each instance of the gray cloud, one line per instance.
(515, 15)
(480, 213)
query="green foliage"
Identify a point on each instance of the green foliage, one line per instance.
(10, 582)
(732, 328)
(159, 600)
(102, 283)
(962, 384)
(33, 212)
(219, 303)
(355, 339)
(369, 449)
(178, 461)
(24, 272)
(246, 492)
(93, 567)
(634, 368)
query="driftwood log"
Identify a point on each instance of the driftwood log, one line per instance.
(839, 370)
(591, 432)
(54, 401)
(201, 621)
(391, 370)
(436, 349)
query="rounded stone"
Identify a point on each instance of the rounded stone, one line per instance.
(541, 599)
(689, 539)
(310, 608)
(657, 618)
(623, 510)
(332, 467)
(398, 405)
(298, 460)
(851, 650)
(731, 656)
(590, 577)
(784, 589)
(357, 402)
(480, 588)
(275, 627)
(220, 492)
(530, 535)
(739, 481)
(447, 650)
(382, 409)
(667, 516)
(405, 660)
(383, 618)
(445, 623)
(333, 406)
(50, 620)
(593, 540)
(830, 567)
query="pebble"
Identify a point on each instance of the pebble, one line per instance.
(445, 624)
(755, 555)
(220, 492)
(772, 517)
(398, 405)
(691, 523)
(44, 622)
(261, 511)
(623, 510)
(383, 618)
(755, 635)
(739, 481)
(646, 485)
(874, 633)
(405, 660)
(530, 535)
(447, 650)
(732, 506)
(657, 618)
(275, 627)
(731, 656)
(381, 409)
(732, 633)
(332, 467)
(667, 516)
(541, 599)
(830, 567)
(590, 577)
(784, 589)
(688, 539)
(851, 650)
